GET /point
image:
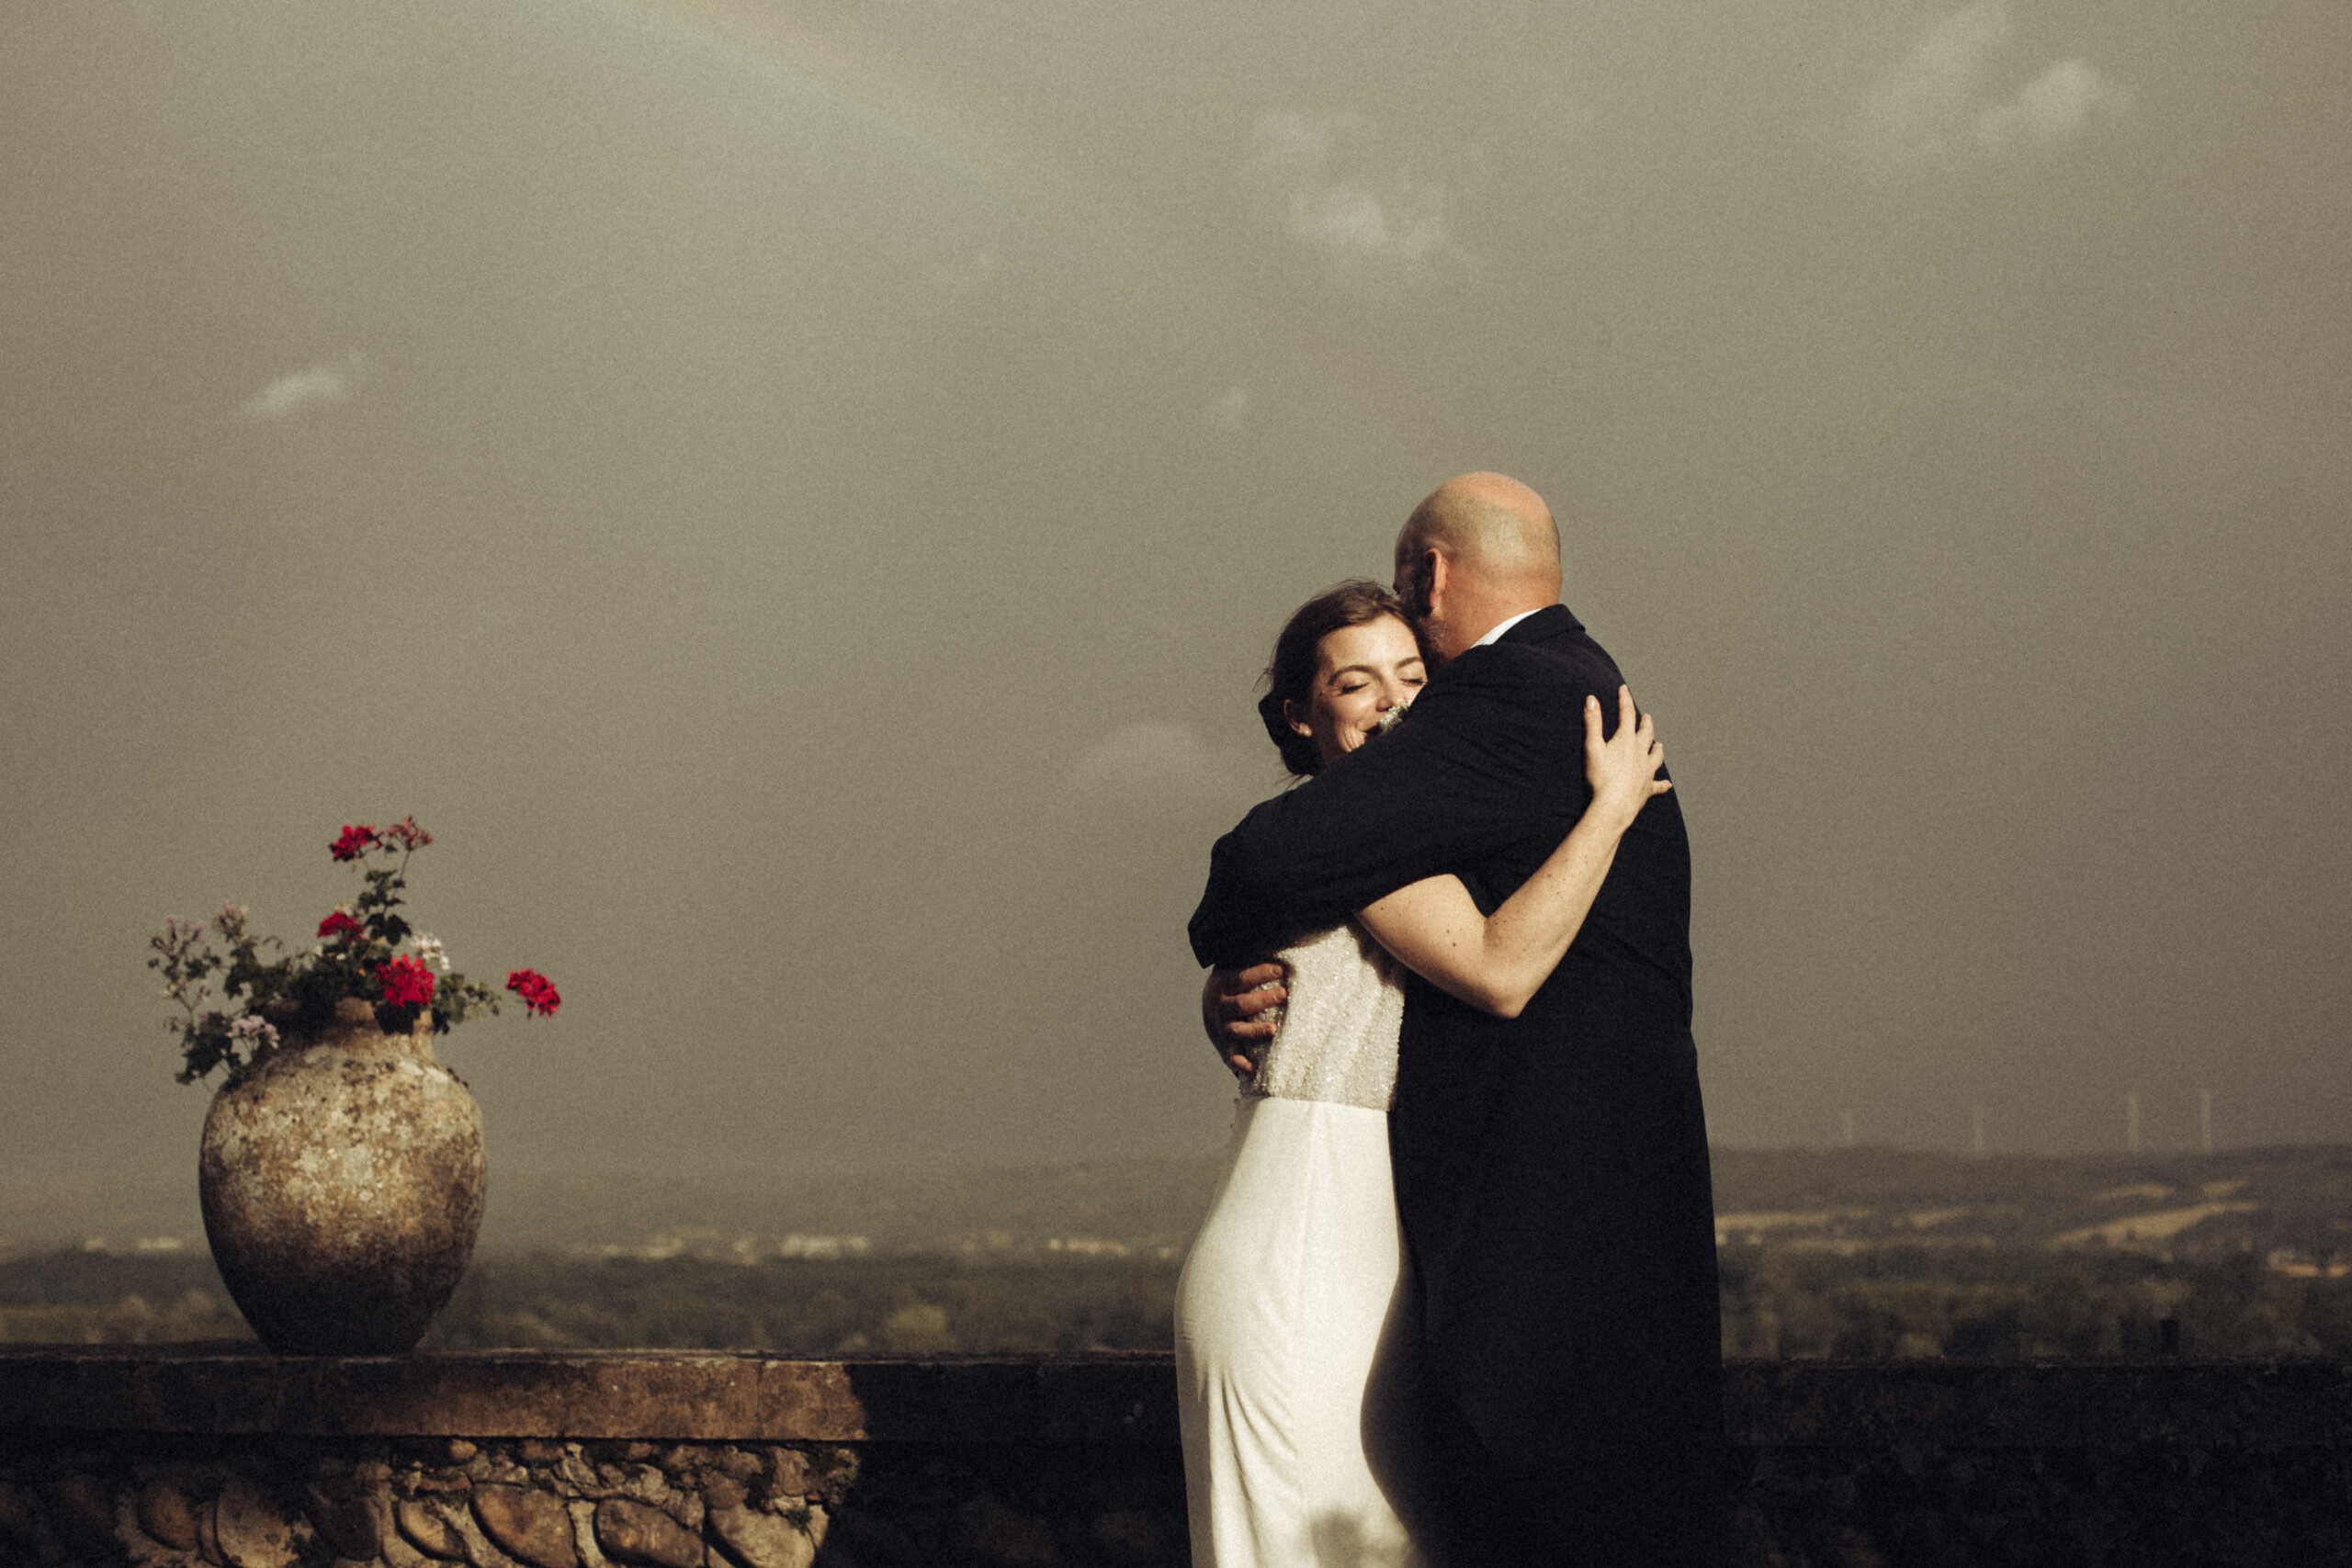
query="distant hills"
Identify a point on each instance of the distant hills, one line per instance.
(1128, 1206)
(2292, 1206)
(1140, 1205)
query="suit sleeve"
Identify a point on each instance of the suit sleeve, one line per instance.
(1493, 749)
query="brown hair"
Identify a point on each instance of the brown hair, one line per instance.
(1291, 676)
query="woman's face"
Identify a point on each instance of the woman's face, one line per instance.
(1360, 672)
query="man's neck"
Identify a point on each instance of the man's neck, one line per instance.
(1494, 634)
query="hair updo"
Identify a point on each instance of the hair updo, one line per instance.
(1299, 651)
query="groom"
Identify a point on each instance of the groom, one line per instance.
(1550, 1169)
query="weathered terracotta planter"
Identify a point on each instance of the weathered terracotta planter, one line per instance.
(343, 1186)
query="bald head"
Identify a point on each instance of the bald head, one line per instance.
(1481, 548)
(1490, 524)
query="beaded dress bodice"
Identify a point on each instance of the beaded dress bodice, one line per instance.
(1338, 1042)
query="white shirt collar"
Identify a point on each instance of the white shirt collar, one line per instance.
(1495, 634)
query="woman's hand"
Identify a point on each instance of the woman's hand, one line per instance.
(1497, 963)
(1623, 770)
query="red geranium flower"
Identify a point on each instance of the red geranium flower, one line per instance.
(354, 842)
(406, 981)
(339, 925)
(537, 992)
(407, 834)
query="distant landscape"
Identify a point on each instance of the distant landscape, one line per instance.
(1850, 1252)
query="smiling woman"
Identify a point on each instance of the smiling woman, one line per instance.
(1344, 662)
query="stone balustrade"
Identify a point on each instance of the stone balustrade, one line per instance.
(226, 1457)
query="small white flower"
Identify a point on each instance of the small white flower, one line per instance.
(428, 948)
(253, 1026)
(1394, 717)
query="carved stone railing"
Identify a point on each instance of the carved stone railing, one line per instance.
(177, 1456)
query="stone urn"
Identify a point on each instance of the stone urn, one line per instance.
(342, 1184)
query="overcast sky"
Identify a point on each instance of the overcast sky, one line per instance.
(795, 498)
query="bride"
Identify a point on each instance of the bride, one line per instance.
(1297, 1339)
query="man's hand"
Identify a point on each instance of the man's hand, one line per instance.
(1234, 1004)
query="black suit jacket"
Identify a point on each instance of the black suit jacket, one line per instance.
(1550, 1169)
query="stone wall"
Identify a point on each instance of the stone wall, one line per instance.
(223, 1457)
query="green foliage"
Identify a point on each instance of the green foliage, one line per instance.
(220, 1037)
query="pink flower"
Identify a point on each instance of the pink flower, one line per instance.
(406, 981)
(338, 926)
(537, 992)
(407, 834)
(252, 1026)
(354, 842)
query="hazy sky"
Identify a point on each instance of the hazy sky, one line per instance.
(796, 497)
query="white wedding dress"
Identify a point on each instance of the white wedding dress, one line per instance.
(1295, 1347)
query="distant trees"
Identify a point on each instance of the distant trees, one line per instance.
(797, 1306)
(2016, 1303)
(1778, 1302)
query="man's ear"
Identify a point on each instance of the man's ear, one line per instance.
(1438, 572)
(1290, 716)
